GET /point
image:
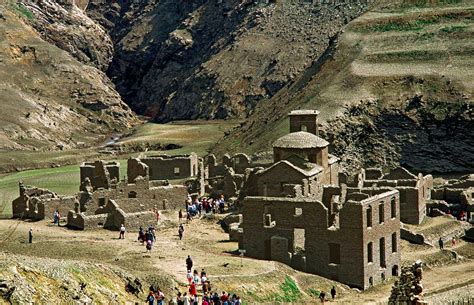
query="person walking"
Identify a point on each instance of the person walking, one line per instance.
(322, 297)
(159, 296)
(333, 292)
(189, 263)
(122, 232)
(441, 243)
(453, 242)
(30, 236)
(180, 215)
(149, 245)
(181, 231)
(150, 298)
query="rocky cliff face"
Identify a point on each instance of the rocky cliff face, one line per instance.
(423, 135)
(49, 99)
(68, 27)
(213, 58)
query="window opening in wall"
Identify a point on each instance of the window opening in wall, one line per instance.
(304, 128)
(132, 194)
(299, 240)
(394, 242)
(382, 276)
(395, 270)
(369, 217)
(298, 211)
(393, 208)
(381, 213)
(370, 253)
(176, 171)
(382, 252)
(101, 202)
(371, 281)
(334, 253)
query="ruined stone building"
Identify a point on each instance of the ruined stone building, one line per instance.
(36, 203)
(164, 167)
(455, 197)
(104, 200)
(415, 190)
(298, 214)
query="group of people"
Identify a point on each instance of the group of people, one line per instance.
(147, 237)
(441, 243)
(322, 294)
(199, 205)
(155, 295)
(196, 279)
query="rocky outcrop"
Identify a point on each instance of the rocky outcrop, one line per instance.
(67, 26)
(213, 59)
(426, 136)
(49, 99)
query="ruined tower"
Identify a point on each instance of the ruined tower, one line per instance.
(304, 120)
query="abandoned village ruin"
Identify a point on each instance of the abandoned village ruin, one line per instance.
(301, 209)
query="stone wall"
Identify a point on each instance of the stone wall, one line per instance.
(37, 204)
(166, 167)
(338, 251)
(100, 173)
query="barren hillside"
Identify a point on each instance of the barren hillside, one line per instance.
(213, 59)
(410, 63)
(49, 99)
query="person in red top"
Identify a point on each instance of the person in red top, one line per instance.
(192, 289)
(224, 297)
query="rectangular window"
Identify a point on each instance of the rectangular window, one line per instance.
(394, 242)
(393, 207)
(298, 211)
(369, 217)
(334, 253)
(370, 257)
(176, 171)
(381, 213)
(382, 252)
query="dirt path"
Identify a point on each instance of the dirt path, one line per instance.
(208, 246)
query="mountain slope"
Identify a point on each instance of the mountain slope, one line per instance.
(393, 54)
(50, 100)
(213, 58)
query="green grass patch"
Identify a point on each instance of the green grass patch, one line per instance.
(314, 292)
(403, 26)
(412, 55)
(23, 10)
(289, 291)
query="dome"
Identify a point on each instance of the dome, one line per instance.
(300, 139)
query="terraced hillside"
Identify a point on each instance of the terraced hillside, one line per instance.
(393, 55)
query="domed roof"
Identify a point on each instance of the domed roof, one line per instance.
(300, 139)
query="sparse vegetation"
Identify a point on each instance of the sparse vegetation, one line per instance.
(24, 11)
(454, 29)
(289, 291)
